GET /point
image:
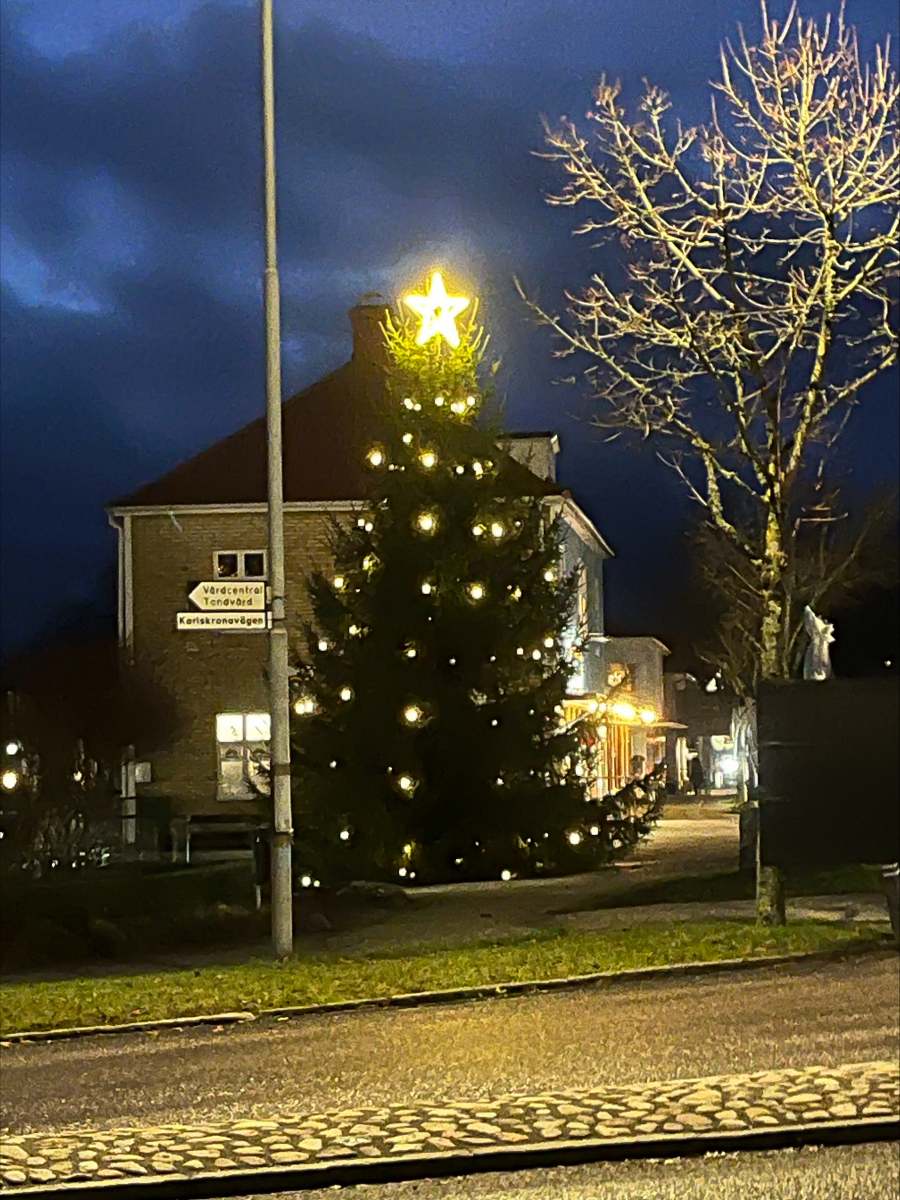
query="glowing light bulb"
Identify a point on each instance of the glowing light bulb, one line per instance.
(428, 458)
(548, 642)
(411, 652)
(497, 529)
(550, 576)
(408, 849)
(339, 583)
(344, 835)
(499, 783)
(407, 438)
(439, 401)
(9, 780)
(478, 469)
(516, 593)
(323, 645)
(471, 401)
(361, 522)
(477, 530)
(506, 876)
(306, 881)
(408, 403)
(370, 562)
(406, 783)
(593, 705)
(595, 829)
(452, 662)
(426, 522)
(402, 872)
(412, 714)
(369, 526)
(460, 470)
(354, 631)
(427, 588)
(626, 711)
(304, 706)
(648, 716)
(375, 457)
(458, 407)
(476, 591)
(13, 747)
(346, 693)
(574, 839)
(520, 650)
(579, 771)
(536, 654)
(495, 722)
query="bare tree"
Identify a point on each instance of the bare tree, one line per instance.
(754, 295)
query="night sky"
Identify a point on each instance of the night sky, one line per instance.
(132, 252)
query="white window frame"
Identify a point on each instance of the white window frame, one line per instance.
(241, 556)
(247, 752)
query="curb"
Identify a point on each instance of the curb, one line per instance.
(455, 995)
(442, 1166)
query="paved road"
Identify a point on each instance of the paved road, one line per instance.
(852, 1173)
(777, 1017)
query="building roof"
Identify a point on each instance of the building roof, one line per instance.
(326, 431)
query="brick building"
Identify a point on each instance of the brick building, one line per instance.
(206, 521)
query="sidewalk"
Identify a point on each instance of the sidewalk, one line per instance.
(674, 1109)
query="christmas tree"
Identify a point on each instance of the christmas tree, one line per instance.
(429, 739)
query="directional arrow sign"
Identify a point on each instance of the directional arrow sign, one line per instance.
(233, 594)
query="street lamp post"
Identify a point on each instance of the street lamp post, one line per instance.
(279, 686)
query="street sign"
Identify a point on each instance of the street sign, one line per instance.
(225, 622)
(241, 594)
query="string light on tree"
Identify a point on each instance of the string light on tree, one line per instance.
(476, 591)
(375, 457)
(426, 522)
(412, 714)
(428, 459)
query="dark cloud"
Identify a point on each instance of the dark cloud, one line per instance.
(132, 251)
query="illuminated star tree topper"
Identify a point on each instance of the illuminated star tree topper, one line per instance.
(437, 312)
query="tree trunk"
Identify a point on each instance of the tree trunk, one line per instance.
(770, 899)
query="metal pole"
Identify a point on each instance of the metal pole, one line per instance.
(279, 687)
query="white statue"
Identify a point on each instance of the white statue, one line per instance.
(817, 660)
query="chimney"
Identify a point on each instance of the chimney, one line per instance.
(366, 319)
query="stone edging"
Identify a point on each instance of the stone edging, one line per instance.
(378, 1144)
(452, 995)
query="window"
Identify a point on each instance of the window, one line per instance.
(239, 564)
(582, 593)
(242, 741)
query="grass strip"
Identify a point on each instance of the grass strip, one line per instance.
(260, 984)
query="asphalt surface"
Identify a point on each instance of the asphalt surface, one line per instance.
(630, 1033)
(846, 1173)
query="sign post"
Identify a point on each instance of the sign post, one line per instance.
(279, 679)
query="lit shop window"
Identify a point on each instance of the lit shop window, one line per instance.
(239, 564)
(242, 741)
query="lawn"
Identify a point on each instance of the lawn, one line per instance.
(261, 984)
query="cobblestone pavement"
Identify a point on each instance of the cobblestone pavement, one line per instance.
(763, 1099)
